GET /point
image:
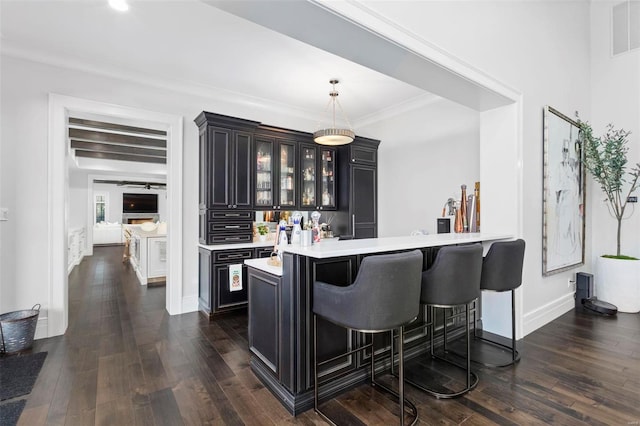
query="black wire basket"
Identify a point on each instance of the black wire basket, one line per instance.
(17, 329)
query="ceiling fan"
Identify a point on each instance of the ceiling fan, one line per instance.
(135, 184)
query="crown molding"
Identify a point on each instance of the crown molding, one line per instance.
(207, 92)
(400, 108)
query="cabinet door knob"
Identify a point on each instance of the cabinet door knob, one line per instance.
(235, 206)
(228, 206)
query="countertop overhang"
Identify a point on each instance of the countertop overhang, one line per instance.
(336, 248)
(263, 265)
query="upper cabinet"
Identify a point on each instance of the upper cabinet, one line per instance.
(247, 166)
(225, 162)
(275, 173)
(317, 177)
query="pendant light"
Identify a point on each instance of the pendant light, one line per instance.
(334, 136)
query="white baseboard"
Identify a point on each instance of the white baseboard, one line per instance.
(189, 304)
(42, 328)
(535, 319)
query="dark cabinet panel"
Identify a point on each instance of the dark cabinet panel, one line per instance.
(204, 280)
(264, 319)
(364, 194)
(242, 172)
(364, 155)
(228, 154)
(226, 297)
(358, 190)
(215, 294)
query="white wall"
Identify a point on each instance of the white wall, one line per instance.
(78, 194)
(25, 87)
(541, 49)
(615, 82)
(424, 164)
(114, 194)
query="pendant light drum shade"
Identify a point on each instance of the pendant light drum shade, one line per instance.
(334, 136)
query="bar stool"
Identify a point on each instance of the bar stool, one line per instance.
(384, 296)
(501, 271)
(453, 280)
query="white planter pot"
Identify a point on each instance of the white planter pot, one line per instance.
(618, 282)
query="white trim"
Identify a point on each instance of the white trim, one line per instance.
(190, 303)
(545, 314)
(59, 108)
(42, 327)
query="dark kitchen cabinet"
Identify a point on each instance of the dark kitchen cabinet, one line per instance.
(225, 168)
(363, 208)
(215, 295)
(317, 177)
(215, 292)
(275, 173)
(265, 324)
(358, 189)
(225, 178)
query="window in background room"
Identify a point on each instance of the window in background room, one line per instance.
(100, 207)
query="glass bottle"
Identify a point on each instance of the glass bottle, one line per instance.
(463, 209)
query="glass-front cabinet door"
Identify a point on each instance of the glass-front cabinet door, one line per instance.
(264, 173)
(317, 177)
(327, 186)
(308, 170)
(275, 162)
(287, 172)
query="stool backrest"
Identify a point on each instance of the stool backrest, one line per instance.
(502, 266)
(384, 295)
(454, 277)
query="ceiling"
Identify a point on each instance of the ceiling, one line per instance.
(190, 43)
(193, 46)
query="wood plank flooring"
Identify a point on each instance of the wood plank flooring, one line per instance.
(125, 361)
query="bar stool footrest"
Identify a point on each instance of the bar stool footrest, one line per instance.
(486, 352)
(423, 384)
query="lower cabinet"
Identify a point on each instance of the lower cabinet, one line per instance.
(264, 319)
(220, 289)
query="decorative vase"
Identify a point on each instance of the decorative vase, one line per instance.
(262, 238)
(617, 281)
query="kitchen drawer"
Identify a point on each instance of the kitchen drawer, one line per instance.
(232, 256)
(264, 252)
(229, 239)
(213, 215)
(230, 228)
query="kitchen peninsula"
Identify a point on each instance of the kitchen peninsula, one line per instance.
(280, 318)
(148, 252)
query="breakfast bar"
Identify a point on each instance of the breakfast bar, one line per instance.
(280, 314)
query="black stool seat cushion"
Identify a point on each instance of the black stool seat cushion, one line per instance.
(502, 266)
(454, 277)
(384, 295)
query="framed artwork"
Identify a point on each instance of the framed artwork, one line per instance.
(563, 194)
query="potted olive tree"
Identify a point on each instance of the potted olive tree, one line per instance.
(605, 158)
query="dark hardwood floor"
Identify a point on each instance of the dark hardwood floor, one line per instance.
(125, 361)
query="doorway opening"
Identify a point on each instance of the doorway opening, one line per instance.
(60, 109)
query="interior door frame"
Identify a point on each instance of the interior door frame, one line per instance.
(60, 107)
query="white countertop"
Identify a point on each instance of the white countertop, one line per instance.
(334, 248)
(262, 265)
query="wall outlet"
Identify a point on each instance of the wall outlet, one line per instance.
(4, 213)
(570, 283)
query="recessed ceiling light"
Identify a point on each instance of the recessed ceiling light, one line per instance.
(119, 5)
